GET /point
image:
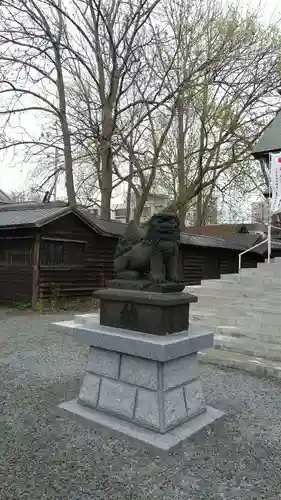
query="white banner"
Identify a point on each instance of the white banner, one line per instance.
(275, 183)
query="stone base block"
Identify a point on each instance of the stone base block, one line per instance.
(145, 311)
(148, 384)
(165, 442)
(86, 329)
(154, 394)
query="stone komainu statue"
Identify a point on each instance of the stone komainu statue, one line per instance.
(153, 257)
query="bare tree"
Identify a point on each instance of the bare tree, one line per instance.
(219, 119)
(33, 79)
(148, 93)
(104, 39)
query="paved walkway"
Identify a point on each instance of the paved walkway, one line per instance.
(46, 457)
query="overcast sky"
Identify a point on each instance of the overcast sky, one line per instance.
(14, 177)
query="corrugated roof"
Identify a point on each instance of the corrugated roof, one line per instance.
(270, 140)
(4, 198)
(214, 229)
(222, 230)
(36, 215)
(238, 242)
(230, 242)
(109, 227)
(21, 215)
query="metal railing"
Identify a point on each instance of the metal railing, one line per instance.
(248, 250)
(268, 241)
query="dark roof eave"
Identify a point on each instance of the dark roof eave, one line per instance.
(94, 225)
(259, 155)
(88, 222)
(28, 225)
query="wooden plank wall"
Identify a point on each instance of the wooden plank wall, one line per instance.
(16, 276)
(198, 262)
(78, 281)
(210, 263)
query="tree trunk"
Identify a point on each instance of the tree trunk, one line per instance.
(199, 205)
(180, 161)
(129, 193)
(106, 163)
(69, 183)
(106, 182)
(140, 203)
(67, 150)
(199, 208)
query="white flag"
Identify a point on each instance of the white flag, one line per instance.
(275, 183)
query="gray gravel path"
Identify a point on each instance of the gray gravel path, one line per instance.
(43, 456)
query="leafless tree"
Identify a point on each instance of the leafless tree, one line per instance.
(148, 93)
(33, 80)
(219, 119)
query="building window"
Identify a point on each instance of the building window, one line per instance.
(16, 252)
(146, 211)
(120, 212)
(62, 253)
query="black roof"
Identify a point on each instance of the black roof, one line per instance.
(270, 140)
(20, 215)
(4, 198)
(15, 215)
(106, 227)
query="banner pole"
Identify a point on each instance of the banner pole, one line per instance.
(269, 228)
(269, 239)
(269, 209)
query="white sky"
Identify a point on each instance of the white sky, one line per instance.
(13, 177)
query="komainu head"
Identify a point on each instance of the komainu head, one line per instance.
(163, 226)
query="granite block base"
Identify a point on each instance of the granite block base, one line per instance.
(165, 442)
(143, 385)
(154, 394)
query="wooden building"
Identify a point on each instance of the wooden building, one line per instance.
(50, 250)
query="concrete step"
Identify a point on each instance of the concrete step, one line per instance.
(269, 271)
(252, 325)
(236, 293)
(237, 332)
(235, 310)
(251, 347)
(250, 279)
(256, 287)
(244, 282)
(209, 300)
(255, 365)
(269, 265)
(228, 303)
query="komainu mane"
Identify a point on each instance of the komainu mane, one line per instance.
(153, 257)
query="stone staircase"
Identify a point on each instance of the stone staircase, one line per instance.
(245, 312)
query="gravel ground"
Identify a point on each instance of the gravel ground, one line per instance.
(43, 456)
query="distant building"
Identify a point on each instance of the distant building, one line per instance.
(211, 212)
(210, 215)
(260, 211)
(155, 203)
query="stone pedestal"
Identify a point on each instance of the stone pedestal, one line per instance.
(145, 386)
(155, 312)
